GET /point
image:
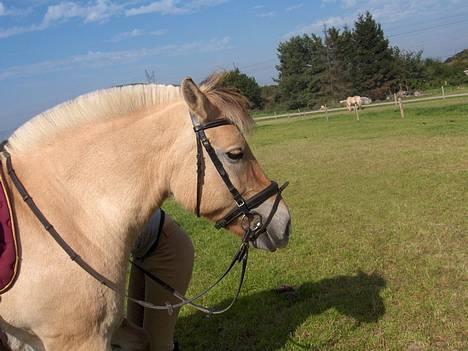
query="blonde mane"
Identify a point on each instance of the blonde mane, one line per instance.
(96, 106)
(123, 100)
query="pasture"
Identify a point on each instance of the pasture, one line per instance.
(378, 253)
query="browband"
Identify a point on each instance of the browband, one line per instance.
(212, 124)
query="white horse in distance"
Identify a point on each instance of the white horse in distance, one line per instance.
(351, 102)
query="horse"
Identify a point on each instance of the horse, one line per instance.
(97, 167)
(351, 102)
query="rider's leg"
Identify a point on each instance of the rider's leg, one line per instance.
(172, 261)
(136, 289)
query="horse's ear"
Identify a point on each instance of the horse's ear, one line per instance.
(197, 102)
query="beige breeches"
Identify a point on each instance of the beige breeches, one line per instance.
(172, 261)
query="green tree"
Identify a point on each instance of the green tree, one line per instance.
(248, 86)
(373, 71)
(302, 70)
(409, 69)
(439, 73)
(338, 47)
(270, 96)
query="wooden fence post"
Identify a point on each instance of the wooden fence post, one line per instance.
(396, 100)
(402, 111)
(443, 92)
(326, 113)
(357, 113)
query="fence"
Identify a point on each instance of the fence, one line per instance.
(319, 112)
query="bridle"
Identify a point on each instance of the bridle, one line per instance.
(252, 223)
(251, 220)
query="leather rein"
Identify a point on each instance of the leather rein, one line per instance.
(251, 222)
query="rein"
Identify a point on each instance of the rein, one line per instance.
(251, 222)
(240, 256)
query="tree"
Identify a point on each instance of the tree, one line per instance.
(248, 86)
(357, 61)
(338, 47)
(301, 71)
(439, 73)
(409, 69)
(270, 96)
(373, 63)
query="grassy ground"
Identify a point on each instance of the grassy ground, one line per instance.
(379, 248)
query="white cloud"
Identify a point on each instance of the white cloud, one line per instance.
(396, 8)
(386, 12)
(135, 33)
(96, 59)
(267, 14)
(164, 7)
(100, 11)
(317, 26)
(195, 4)
(172, 7)
(9, 32)
(294, 7)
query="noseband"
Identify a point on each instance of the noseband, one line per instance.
(251, 221)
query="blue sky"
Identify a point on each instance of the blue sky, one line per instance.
(54, 50)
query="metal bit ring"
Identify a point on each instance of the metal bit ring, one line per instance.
(251, 221)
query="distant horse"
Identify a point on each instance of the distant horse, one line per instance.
(97, 167)
(351, 102)
(323, 108)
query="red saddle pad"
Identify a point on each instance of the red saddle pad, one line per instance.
(8, 243)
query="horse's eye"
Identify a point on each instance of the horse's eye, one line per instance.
(235, 155)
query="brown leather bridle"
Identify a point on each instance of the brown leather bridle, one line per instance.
(251, 220)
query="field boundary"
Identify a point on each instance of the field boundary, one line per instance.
(337, 109)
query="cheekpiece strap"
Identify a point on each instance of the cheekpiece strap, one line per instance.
(199, 129)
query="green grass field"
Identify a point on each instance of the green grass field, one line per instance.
(378, 254)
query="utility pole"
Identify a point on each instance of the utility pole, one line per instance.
(150, 77)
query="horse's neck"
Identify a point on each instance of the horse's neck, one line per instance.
(99, 185)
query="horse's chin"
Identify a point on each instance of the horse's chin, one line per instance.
(264, 242)
(270, 242)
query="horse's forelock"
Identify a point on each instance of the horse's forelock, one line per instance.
(229, 101)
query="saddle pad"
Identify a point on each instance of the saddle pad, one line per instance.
(8, 244)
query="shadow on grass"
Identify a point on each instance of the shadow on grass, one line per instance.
(265, 321)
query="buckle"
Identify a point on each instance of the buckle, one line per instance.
(240, 203)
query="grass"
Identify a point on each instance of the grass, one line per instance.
(379, 247)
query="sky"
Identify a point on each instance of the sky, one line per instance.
(55, 50)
